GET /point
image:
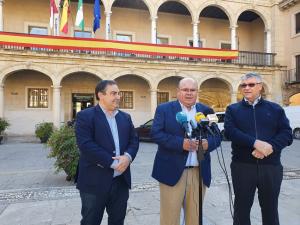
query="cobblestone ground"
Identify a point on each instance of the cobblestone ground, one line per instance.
(32, 194)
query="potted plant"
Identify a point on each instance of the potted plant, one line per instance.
(43, 131)
(3, 125)
(64, 149)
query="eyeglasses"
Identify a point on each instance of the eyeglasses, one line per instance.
(187, 90)
(250, 85)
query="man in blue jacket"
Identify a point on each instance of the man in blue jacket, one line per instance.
(176, 166)
(108, 144)
(259, 130)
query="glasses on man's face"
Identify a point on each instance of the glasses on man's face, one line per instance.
(186, 90)
(249, 85)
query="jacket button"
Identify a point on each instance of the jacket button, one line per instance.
(114, 151)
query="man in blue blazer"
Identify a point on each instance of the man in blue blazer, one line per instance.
(176, 166)
(108, 144)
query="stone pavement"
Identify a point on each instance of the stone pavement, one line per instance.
(32, 194)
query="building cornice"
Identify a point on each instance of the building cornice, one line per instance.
(285, 4)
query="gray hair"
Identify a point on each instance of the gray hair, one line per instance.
(252, 75)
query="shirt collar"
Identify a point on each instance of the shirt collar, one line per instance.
(255, 101)
(107, 114)
(185, 108)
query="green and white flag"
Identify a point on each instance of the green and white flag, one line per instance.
(79, 16)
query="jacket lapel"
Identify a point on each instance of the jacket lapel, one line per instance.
(102, 117)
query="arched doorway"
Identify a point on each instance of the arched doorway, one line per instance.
(215, 93)
(77, 93)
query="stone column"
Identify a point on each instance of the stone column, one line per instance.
(107, 26)
(2, 100)
(153, 30)
(195, 34)
(56, 105)
(233, 38)
(1, 15)
(233, 97)
(153, 97)
(268, 41)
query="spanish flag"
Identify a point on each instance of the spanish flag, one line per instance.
(64, 17)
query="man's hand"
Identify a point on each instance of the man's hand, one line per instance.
(204, 144)
(258, 154)
(123, 163)
(263, 147)
(190, 145)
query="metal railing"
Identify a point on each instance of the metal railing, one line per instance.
(244, 57)
(291, 76)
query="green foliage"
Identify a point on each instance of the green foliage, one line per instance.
(64, 149)
(3, 125)
(43, 131)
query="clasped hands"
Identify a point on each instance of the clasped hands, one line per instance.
(191, 145)
(262, 149)
(123, 163)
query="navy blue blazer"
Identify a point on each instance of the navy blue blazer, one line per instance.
(96, 145)
(170, 158)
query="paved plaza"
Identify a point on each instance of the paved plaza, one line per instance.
(32, 194)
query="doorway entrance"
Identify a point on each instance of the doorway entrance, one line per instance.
(81, 101)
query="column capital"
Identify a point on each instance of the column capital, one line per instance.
(195, 23)
(108, 13)
(2, 1)
(56, 86)
(153, 90)
(267, 30)
(1, 85)
(153, 18)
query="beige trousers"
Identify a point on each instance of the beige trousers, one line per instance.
(184, 194)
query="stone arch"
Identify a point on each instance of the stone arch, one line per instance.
(68, 71)
(223, 78)
(213, 95)
(148, 3)
(137, 73)
(186, 3)
(25, 66)
(221, 5)
(262, 14)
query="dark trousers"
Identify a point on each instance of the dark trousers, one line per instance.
(115, 202)
(246, 178)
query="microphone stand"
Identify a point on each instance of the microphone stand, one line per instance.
(200, 157)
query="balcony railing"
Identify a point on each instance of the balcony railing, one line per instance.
(244, 57)
(291, 76)
(48, 44)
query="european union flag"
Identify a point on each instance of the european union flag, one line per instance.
(97, 15)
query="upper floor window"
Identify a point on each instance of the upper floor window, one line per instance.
(124, 37)
(126, 101)
(82, 34)
(297, 23)
(37, 30)
(162, 40)
(37, 98)
(225, 45)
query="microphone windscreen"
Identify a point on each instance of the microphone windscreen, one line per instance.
(181, 117)
(199, 116)
(212, 118)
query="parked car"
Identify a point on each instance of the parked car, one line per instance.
(144, 131)
(293, 114)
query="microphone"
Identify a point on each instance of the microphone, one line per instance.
(203, 122)
(181, 118)
(213, 120)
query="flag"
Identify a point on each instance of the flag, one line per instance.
(53, 10)
(97, 15)
(79, 16)
(64, 17)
